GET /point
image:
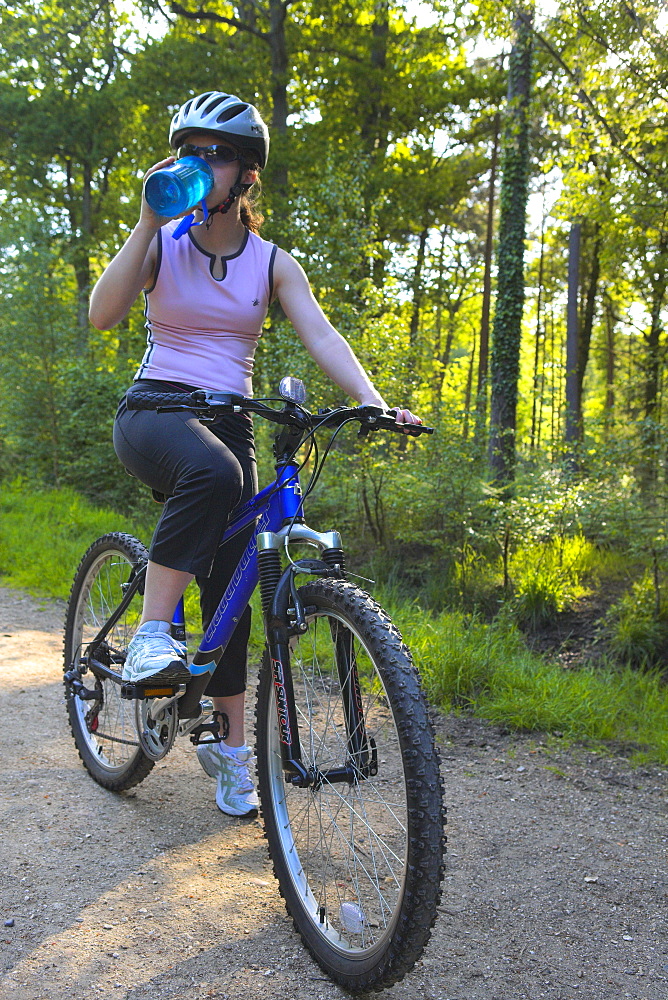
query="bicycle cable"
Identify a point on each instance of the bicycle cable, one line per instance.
(319, 466)
(302, 442)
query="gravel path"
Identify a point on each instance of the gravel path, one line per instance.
(556, 882)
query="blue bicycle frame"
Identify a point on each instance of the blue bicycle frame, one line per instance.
(277, 512)
(271, 508)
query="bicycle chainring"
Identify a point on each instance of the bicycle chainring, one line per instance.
(156, 736)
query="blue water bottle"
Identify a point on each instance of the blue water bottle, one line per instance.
(174, 189)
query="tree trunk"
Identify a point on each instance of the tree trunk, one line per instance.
(505, 362)
(609, 413)
(438, 333)
(536, 353)
(651, 430)
(573, 403)
(418, 290)
(81, 251)
(469, 390)
(373, 128)
(483, 353)
(279, 94)
(589, 313)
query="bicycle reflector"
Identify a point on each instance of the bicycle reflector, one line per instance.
(292, 389)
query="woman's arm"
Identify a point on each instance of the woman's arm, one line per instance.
(131, 269)
(123, 279)
(325, 345)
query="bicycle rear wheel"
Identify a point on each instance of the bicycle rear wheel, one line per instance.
(102, 723)
(359, 863)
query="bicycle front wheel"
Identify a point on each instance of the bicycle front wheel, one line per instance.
(359, 862)
(102, 723)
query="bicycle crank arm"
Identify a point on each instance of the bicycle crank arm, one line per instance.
(159, 705)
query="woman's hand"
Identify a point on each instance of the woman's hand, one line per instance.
(148, 218)
(405, 418)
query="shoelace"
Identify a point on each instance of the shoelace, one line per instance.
(154, 637)
(245, 781)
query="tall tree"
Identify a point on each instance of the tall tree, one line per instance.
(63, 77)
(507, 327)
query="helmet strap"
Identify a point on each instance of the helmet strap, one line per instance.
(189, 220)
(237, 189)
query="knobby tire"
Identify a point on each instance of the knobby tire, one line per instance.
(104, 727)
(359, 864)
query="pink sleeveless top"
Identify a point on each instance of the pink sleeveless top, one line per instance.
(204, 313)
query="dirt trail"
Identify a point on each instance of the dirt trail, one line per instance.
(556, 883)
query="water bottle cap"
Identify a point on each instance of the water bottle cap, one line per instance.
(189, 221)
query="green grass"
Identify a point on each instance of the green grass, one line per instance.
(44, 533)
(486, 669)
(467, 665)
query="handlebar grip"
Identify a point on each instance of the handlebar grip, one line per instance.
(155, 400)
(386, 421)
(417, 429)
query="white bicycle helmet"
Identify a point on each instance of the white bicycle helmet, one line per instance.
(226, 115)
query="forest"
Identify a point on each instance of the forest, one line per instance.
(477, 191)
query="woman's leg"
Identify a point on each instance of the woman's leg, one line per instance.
(175, 454)
(230, 762)
(233, 707)
(162, 591)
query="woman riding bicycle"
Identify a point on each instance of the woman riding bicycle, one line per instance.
(207, 294)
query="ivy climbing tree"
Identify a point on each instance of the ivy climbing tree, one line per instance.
(507, 328)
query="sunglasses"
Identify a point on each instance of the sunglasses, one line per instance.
(213, 154)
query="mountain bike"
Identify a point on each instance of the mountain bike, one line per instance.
(348, 774)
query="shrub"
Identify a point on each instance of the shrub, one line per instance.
(637, 625)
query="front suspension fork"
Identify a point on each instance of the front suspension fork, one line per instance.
(284, 617)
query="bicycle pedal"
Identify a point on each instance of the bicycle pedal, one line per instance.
(133, 692)
(214, 728)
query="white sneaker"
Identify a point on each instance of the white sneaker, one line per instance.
(155, 656)
(235, 792)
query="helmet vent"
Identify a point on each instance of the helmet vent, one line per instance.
(202, 98)
(212, 105)
(232, 112)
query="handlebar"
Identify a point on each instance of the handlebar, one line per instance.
(208, 405)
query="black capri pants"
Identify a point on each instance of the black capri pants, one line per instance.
(205, 471)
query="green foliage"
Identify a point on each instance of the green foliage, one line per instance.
(57, 416)
(45, 532)
(637, 625)
(466, 664)
(487, 670)
(382, 138)
(90, 466)
(547, 578)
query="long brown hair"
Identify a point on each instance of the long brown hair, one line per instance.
(251, 216)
